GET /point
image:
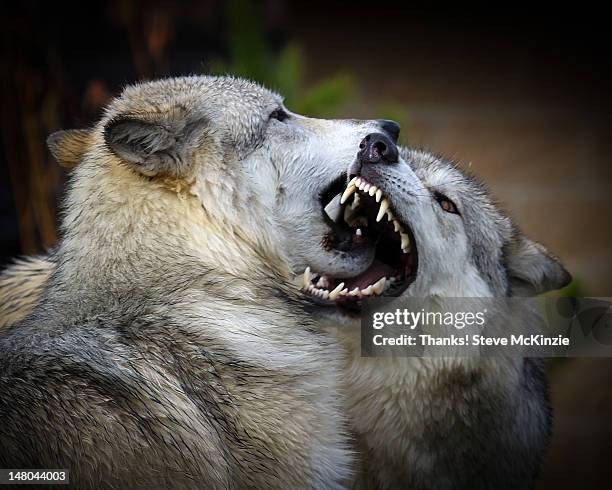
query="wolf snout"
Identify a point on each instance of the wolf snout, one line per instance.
(377, 148)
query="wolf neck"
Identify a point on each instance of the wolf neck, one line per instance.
(124, 232)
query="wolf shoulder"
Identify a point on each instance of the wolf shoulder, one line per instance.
(149, 402)
(77, 395)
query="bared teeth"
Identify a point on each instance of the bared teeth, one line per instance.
(320, 291)
(379, 286)
(322, 282)
(336, 292)
(384, 205)
(405, 243)
(334, 209)
(350, 189)
(384, 283)
(306, 278)
(347, 193)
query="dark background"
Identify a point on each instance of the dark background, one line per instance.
(520, 95)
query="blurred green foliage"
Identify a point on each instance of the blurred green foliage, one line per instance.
(251, 56)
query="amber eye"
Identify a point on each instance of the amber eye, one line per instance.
(445, 203)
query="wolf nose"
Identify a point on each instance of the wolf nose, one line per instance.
(390, 127)
(377, 148)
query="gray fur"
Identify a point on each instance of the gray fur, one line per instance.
(21, 285)
(455, 423)
(169, 347)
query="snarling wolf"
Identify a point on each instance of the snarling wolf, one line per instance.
(408, 223)
(168, 347)
(435, 423)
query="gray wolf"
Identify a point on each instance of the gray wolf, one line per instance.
(168, 347)
(436, 422)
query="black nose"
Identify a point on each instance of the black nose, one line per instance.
(390, 127)
(377, 148)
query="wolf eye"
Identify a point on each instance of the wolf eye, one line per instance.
(279, 114)
(445, 203)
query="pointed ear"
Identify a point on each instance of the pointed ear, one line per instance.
(155, 144)
(68, 147)
(532, 269)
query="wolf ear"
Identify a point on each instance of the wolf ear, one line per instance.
(68, 147)
(155, 144)
(532, 269)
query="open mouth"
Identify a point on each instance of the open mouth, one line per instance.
(360, 217)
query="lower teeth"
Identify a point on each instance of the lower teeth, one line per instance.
(320, 289)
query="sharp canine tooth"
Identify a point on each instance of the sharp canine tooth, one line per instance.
(334, 209)
(336, 292)
(379, 286)
(372, 190)
(306, 278)
(347, 193)
(384, 205)
(378, 195)
(405, 242)
(358, 232)
(367, 291)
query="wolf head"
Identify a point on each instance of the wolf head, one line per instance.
(466, 241)
(435, 231)
(208, 167)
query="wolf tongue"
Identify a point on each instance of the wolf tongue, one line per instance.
(372, 274)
